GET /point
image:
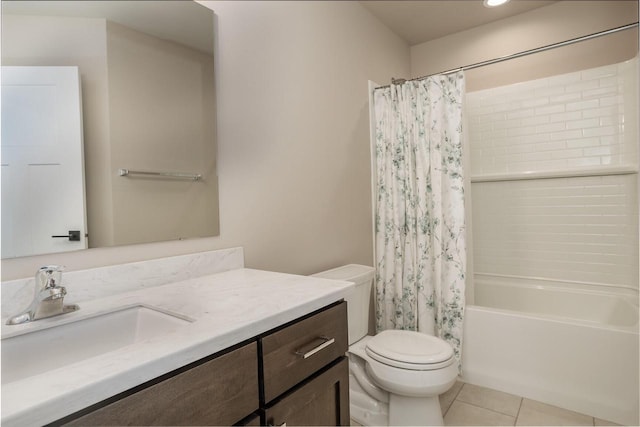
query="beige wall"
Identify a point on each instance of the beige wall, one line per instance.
(293, 138)
(294, 132)
(544, 26)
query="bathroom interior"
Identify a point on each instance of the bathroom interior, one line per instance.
(267, 220)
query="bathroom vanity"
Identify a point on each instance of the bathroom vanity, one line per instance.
(289, 375)
(247, 347)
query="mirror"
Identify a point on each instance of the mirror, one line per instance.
(147, 105)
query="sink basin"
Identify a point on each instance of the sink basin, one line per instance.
(39, 351)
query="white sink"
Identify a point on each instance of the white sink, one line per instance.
(43, 350)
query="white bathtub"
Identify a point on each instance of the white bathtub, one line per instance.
(569, 345)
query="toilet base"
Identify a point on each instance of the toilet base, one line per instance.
(413, 411)
(401, 410)
(371, 405)
(364, 409)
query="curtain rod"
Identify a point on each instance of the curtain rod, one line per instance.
(519, 54)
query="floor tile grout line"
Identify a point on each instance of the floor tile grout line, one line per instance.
(519, 409)
(460, 390)
(453, 400)
(487, 409)
(484, 407)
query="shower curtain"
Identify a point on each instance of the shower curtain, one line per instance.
(419, 213)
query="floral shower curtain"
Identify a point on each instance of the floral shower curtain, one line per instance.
(420, 218)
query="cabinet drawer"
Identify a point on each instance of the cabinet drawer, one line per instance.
(221, 391)
(322, 400)
(294, 353)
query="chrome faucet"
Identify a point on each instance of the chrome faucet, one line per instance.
(48, 298)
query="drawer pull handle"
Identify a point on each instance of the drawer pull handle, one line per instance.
(326, 342)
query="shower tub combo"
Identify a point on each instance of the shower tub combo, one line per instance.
(567, 344)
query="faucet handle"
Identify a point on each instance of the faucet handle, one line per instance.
(49, 276)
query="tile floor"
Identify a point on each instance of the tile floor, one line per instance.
(468, 404)
(471, 405)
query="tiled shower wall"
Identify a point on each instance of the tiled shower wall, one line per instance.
(577, 135)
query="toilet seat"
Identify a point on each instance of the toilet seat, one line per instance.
(410, 350)
(427, 381)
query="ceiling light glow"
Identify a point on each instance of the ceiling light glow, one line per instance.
(494, 3)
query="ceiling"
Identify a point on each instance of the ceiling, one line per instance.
(421, 21)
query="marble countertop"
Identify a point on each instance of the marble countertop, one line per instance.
(226, 308)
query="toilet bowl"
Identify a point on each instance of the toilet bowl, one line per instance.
(395, 377)
(412, 380)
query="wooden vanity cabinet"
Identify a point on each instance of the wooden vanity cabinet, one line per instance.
(296, 374)
(220, 391)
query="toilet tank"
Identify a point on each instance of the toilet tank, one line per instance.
(358, 301)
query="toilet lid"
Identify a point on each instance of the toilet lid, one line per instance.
(410, 350)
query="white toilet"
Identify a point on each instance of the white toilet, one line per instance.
(395, 377)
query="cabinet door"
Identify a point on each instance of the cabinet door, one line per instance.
(321, 401)
(221, 391)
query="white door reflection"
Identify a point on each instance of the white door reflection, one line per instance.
(43, 200)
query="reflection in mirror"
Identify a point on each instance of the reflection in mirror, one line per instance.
(147, 103)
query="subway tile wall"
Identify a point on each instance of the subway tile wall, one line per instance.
(572, 228)
(571, 121)
(575, 229)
